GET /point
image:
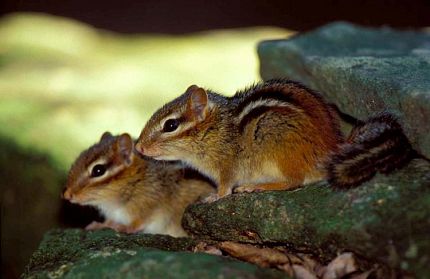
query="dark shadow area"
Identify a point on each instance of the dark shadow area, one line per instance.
(76, 216)
(130, 16)
(30, 204)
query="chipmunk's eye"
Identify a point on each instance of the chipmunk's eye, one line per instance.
(170, 125)
(98, 170)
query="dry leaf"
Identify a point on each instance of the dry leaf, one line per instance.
(363, 275)
(288, 268)
(205, 248)
(302, 273)
(342, 265)
(310, 264)
(299, 266)
(264, 257)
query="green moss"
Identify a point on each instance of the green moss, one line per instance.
(107, 254)
(386, 215)
(60, 247)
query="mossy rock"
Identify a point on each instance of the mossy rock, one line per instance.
(362, 70)
(75, 253)
(386, 220)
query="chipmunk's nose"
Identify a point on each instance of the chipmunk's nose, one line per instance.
(67, 194)
(139, 148)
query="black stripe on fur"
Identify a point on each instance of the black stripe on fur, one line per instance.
(377, 145)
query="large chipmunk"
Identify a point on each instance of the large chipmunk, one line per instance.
(274, 135)
(133, 193)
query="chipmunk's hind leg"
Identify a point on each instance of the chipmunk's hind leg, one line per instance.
(277, 145)
(286, 146)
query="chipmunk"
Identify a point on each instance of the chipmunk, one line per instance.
(133, 193)
(274, 135)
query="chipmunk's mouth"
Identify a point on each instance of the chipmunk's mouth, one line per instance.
(151, 151)
(77, 200)
(165, 158)
(80, 199)
(155, 152)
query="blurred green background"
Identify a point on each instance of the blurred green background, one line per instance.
(63, 83)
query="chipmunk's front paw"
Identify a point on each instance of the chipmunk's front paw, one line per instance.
(95, 226)
(222, 192)
(211, 198)
(130, 230)
(248, 189)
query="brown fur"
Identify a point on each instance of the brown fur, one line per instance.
(274, 135)
(286, 144)
(145, 190)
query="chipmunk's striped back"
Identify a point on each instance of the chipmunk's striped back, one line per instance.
(287, 132)
(291, 96)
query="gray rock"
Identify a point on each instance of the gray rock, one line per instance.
(106, 254)
(362, 70)
(385, 220)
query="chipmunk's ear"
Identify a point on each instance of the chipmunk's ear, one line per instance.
(125, 148)
(105, 136)
(197, 102)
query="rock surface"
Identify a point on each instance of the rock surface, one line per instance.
(387, 219)
(362, 70)
(106, 254)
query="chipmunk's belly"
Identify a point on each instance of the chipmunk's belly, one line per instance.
(157, 222)
(116, 213)
(265, 172)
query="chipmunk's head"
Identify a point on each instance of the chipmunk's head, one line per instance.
(171, 132)
(92, 176)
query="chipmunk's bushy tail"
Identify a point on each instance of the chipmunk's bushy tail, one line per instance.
(376, 145)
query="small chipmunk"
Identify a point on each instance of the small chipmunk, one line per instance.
(274, 135)
(133, 193)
